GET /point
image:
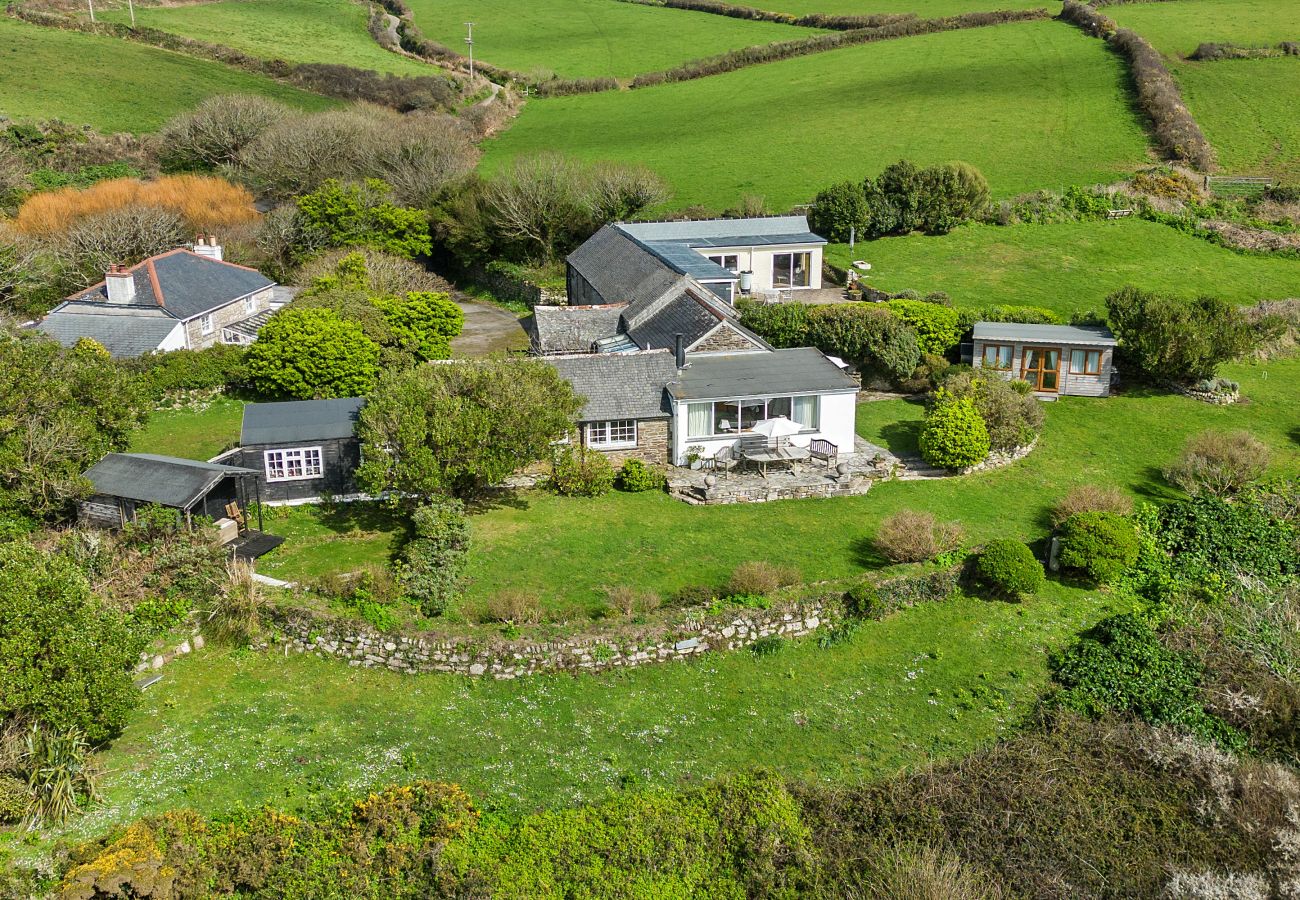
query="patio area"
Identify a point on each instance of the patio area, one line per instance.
(787, 480)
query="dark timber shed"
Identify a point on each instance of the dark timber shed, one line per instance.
(301, 449)
(123, 482)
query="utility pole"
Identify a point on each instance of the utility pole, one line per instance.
(130, 4)
(91, 4)
(469, 42)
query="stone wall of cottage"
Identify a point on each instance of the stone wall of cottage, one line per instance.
(725, 338)
(307, 632)
(226, 315)
(651, 444)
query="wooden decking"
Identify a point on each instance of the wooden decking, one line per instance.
(252, 544)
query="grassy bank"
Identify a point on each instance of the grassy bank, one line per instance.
(305, 31)
(1033, 105)
(115, 85)
(224, 730)
(1068, 267)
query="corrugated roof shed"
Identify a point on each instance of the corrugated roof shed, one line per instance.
(292, 421)
(186, 284)
(802, 370)
(620, 385)
(1091, 335)
(125, 331)
(165, 480)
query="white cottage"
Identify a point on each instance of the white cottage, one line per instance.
(1054, 359)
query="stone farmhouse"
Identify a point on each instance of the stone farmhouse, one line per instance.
(179, 300)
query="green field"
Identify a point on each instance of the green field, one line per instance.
(1068, 267)
(1034, 105)
(112, 84)
(1246, 107)
(321, 31)
(1177, 28)
(224, 730)
(924, 8)
(575, 38)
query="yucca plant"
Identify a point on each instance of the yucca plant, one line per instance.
(62, 774)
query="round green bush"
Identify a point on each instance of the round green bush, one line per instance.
(13, 799)
(637, 476)
(954, 435)
(1009, 568)
(864, 600)
(1101, 545)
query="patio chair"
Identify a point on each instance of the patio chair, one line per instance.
(724, 460)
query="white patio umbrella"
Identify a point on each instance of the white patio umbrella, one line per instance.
(778, 427)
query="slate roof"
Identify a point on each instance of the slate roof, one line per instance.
(572, 329)
(293, 421)
(1089, 335)
(185, 284)
(620, 269)
(727, 232)
(802, 370)
(125, 331)
(620, 385)
(166, 480)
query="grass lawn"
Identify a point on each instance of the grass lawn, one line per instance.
(1068, 267)
(1033, 105)
(1246, 107)
(321, 31)
(567, 551)
(191, 434)
(564, 548)
(115, 85)
(589, 37)
(223, 729)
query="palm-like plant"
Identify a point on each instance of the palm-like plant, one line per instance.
(61, 774)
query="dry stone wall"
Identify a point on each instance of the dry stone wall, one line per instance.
(307, 632)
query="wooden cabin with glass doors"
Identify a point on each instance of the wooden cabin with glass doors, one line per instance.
(1054, 359)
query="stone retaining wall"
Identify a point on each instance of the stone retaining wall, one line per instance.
(303, 632)
(999, 458)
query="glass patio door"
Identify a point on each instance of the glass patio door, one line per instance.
(791, 269)
(1042, 369)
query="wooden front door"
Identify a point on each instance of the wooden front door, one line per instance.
(1042, 369)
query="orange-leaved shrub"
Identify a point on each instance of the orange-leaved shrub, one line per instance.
(202, 201)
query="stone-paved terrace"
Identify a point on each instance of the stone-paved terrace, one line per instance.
(745, 484)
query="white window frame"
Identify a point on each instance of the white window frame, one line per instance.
(278, 463)
(600, 435)
(721, 260)
(766, 401)
(250, 305)
(205, 324)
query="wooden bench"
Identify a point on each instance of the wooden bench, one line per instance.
(822, 449)
(1118, 213)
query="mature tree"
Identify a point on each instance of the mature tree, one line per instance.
(422, 323)
(950, 195)
(60, 411)
(1170, 339)
(67, 658)
(616, 192)
(384, 274)
(419, 155)
(312, 353)
(215, 132)
(410, 325)
(538, 202)
(363, 215)
(125, 235)
(894, 198)
(841, 211)
(457, 428)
